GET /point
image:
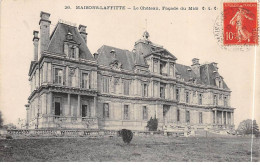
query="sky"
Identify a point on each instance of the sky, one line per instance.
(186, 34)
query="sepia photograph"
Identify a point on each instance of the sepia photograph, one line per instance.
(129, 81)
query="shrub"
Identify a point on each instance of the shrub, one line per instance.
(127, 135)
(152, 124)
(9, 137)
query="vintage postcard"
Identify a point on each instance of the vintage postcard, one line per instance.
(129, 81)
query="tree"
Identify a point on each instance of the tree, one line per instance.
(127, 135)
(1, 120)
(245, 127)
(152, 124)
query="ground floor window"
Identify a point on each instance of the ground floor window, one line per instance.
(57, 106)
(187, 116)
(200, 118)
(145, 113)
(106, 110)
(178, 115)
(85, 111)
(126, 112)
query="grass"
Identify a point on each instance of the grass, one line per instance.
(153, 148)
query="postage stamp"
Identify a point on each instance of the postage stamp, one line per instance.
(240, 23)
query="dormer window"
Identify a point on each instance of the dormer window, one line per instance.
(69, 36)
(219, 82)
(71, 48)
(72, 53)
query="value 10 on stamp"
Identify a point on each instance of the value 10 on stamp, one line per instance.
(240, 23)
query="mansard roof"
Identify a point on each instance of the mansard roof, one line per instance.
(125, 57)
(209, 73)
(58, 37)
(186, 72)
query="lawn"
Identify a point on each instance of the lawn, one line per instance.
(151, 148)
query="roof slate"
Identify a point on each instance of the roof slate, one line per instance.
(125, 57)
(58, 37)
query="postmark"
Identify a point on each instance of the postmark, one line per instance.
(240, 23)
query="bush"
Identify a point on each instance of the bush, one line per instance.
(9, 137)
(152, 124)
(127, 135)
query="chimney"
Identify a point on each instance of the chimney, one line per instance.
(215, 65)
(189, 71)
(95, 55)
(196, 66)
(44, 31)
(35, 43)
(82, 31)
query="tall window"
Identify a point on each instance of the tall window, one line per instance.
(144, 90)
(162, 91)
(57, 106)
(85, 80)
(215, 100)
(225, 101)
(187, 116)
(200, 99)
(200, 118)
(105, 84)
(187, 97)
(58, 74)
(126, 87)
(220, 84)
(84, 111)
(145, 113)
(178, 115)
(155, 66)
(177, 95)
(72, 53)
(126, 112)
(106, 110)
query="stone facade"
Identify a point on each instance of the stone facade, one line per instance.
(114, 88)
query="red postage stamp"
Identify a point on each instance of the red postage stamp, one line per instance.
(240, 23)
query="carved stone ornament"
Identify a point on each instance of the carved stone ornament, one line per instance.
(72, 71)
(116, 65)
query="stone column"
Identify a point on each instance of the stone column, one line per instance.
(152, 87)
(158, 67)
(152, 65)
(156, 110)
(78, 108)
(50, 111)
(67, 75)
(232, 118)
(222, 120)
(95, 106)
(77, 77)
(50, 73)
(27, 115)
(226, 118)
(69, 107)
(216, 122)
(45, 72)
(168, 67)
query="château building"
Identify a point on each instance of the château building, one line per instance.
(116, 88)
